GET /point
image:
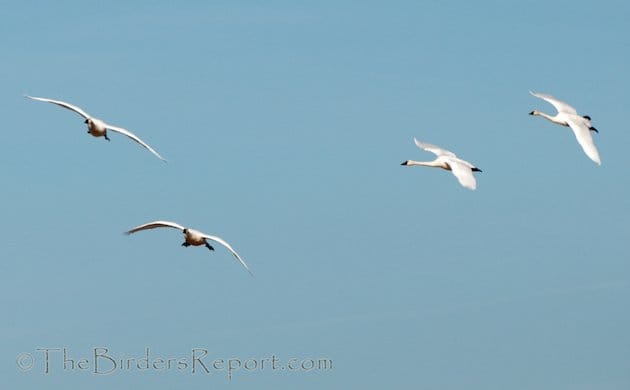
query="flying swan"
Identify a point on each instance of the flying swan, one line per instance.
(568, 116)
(97, 127)
(463, 170)
(191, 237)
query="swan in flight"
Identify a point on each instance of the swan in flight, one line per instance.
(463, 170)
(191, 237)
(568, 116)
(97, 127)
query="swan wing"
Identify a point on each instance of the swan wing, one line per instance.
(463, 173)
(584, 138)
(155, 224)
(65, 105)
(135, 138)
(433, 149)
(229, 247)
(558, 104)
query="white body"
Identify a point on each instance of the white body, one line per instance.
(568, 116)
(96, 127)
(194, 237)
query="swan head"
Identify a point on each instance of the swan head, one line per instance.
(405, 162)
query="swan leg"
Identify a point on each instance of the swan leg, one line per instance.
(209, 246)
(593, 129)
(106, 137)
(186, 244)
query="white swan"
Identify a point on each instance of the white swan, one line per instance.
(97, 127)
(568, 116)
(191, 237)
(463, 170)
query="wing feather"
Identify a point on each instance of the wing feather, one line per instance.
(558, 104)
(229, 247)
(584, 138)
(65, 105)
(135, 138)
(433, 149)
(155, 224)
(463, 173)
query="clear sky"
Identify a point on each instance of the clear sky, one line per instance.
(285, 124)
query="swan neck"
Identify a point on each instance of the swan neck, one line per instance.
(423, 163)
(548, 117)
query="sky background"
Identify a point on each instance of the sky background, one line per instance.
(285, 124)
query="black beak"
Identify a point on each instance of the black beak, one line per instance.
(85, 121)
(404, 163)
(594, 129)
(531, 113)
(475, 169)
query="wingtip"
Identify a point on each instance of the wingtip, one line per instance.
(156, 154)
(245, 266)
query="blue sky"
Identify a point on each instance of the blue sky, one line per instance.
(285, 125)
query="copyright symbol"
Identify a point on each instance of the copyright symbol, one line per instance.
(25, 361)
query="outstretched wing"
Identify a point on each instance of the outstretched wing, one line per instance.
(585, 139)
(463, 173)
(558, 104)
(135, 138)
(65, 105)
(229, 247)
(433, 149)
(155, 224)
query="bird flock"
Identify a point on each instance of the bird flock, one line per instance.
(98, 128)
(463, 170)
(566, 116)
